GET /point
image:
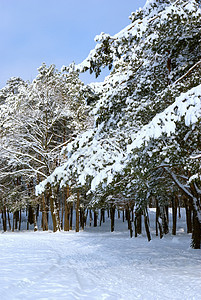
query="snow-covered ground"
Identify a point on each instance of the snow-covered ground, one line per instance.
(97, 264)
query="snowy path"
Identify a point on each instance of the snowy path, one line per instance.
(96, 264)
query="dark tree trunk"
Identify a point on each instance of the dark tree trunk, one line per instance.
(102, 217)
(90, 217)
(95, 218)
(196, 234)
(112, 215)
(167, 212)
(165, 221)
(16, 218)
(66, 209)
(132, 214)
(30, 215)
(158, 224)
(126, 213)
(9, 221)
(66, 216)
(130, 224)
(157, 216)
(77, 212)
(128, 217)
(138, 223)
(146, 224)
(188, 217)
(4, 219)
(44, 214)
(82, 218)
(174, 214)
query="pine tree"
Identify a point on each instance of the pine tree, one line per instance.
(147, 112)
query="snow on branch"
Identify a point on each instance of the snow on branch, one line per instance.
(187, 105)
(188, 72)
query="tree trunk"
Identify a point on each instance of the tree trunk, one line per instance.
(71, 217)
(52, 209)
(44, 214)
(174, 214)
(4, 219)
(95, 218)
(130, 224)
(35, 220)
(90, 217)
(132, 214)
(165, 220)
(158, 224)
(20, 219)
(157, 216)
(160, 229)
(196, 234)
(138, 223)
(16, 218)
(188, 217)
(112, 215)
(14, 222)
(9, 221)
(82, 217)
(66, 210)
(103, 215)
(77, 212)
(146, 223)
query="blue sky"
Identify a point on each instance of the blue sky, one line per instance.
(55, 31)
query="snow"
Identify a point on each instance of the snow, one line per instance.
(97, 264)
(187, 104)
(93, 160)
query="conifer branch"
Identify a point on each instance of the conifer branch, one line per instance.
(188, 72)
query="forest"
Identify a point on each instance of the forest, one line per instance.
(70, 151)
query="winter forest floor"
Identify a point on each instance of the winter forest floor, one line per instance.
(97, 264)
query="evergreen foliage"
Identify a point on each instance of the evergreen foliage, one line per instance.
(145, 142)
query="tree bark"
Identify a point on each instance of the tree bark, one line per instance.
(71, 217)
(165, 220)
(77, 212)
(138, 223)
(52, 209)
(35, 220)
(112, 215)
(158, 224)
(9, 221)
(130, 224)
(196, 233)
(95, 218)
(20, 220)
(174, 214)
(4, 219)
(82, 217)
(66, 210)
(44, 214)
(188, 217)
(146, 223)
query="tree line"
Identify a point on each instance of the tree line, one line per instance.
(128, 143)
